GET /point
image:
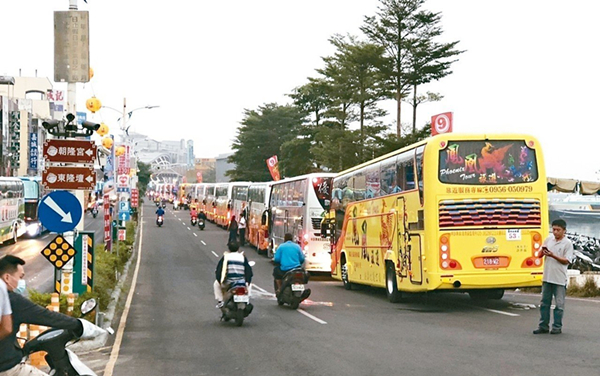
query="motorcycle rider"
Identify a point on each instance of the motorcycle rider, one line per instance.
(27, 312)
(160, 212)
(193, 213)
(289, 256)
(233, 269)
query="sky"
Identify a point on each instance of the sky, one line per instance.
(529, 66)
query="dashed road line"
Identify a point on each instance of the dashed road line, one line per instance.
(202, 241)
(214, 253)
(314, 318)
(196, 235)
(189, 229)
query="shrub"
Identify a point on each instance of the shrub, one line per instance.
(588, 289)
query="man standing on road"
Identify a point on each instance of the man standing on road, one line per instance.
(558, 252)
(242, 230)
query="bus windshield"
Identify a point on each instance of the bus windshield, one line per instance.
(31, 190)
(486, 162)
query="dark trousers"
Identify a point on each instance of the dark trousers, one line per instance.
(242, 236)
(232, 237)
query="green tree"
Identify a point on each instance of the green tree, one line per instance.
(143, 174)
(412, 57)
(391, 142)
(260, 136)
(416, 100)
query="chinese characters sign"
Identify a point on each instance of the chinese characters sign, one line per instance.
(69, 178)
(70, 151)
(71, 46)
(33, 150)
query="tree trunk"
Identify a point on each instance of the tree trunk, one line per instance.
(415, 104)
(399, 112)
(362, 131)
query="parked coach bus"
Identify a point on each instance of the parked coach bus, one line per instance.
(257, 222)
(297, 207)
(12, 209)
(453, 212)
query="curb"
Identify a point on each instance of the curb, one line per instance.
(100, 341)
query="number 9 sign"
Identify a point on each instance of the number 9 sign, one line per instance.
(441, 123)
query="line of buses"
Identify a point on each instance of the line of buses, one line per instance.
(453, 212)
(271, 209)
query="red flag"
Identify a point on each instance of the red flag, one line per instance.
(441, 123)
(273, 165)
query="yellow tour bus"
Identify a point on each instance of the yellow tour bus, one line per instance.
(465, 213)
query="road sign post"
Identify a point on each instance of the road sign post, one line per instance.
(60, 211)
(83, 267)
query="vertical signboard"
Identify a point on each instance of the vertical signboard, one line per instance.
(71, 46)
(107, 223)
(83, 267)
(33, 151)
(135, 195)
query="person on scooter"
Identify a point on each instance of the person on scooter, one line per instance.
(233, 268)
(27, 312)
(160, 212)
(193, 213)
(289, 256)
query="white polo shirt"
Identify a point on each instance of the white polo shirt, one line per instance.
(554, 271)
(4, 301)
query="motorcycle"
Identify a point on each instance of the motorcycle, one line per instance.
(175, 204)
(193, 221)
(201, 224)
(159, 221)
(94, 212)
(293, 288)
(236, 304)
(164, 205)
(157, 203)
(61, 360)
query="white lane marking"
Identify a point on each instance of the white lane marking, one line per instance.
(311, 316)
(195, 234)
(189, 229)
(260, 289)
(202, 241)
(179, 219)
(114, 355)
(500, 312)
(214, 253)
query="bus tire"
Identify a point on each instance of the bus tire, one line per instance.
(391, 285)
(344, 271)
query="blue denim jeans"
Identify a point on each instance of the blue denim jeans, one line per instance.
(548, 291)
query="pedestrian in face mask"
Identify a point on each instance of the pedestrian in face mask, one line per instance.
(25, 311)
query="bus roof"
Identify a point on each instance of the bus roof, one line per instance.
(440, 138)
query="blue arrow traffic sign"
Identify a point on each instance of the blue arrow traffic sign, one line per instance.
(124, 216)
(60, 211)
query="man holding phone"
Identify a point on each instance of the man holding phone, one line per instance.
(558, 252)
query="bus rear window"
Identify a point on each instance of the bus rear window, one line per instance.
(487, 162)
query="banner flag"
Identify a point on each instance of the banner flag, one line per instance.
(273, 165)
(441, 123)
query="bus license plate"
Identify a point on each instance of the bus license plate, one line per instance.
(297, 287)
(491, 261)
(241, 298)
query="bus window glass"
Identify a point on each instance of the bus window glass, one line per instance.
(405, 172)
(419, 168)
(485, 162)
(360, 185)
(373, 185)
(388, 176)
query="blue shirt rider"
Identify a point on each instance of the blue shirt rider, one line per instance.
(289, 256)
(160, 212)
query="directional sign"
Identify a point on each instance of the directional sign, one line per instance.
(59, 252)
(69, 178)
(124, 216)
(60, 211)
(70, 151)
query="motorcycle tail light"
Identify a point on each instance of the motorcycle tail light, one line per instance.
(240, 291)
(299, 276)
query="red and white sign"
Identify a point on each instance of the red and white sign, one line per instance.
(441, 123)
(122, 234)
(135, 195)
(123, 181)
(123, 167)
(273, 165)
(106, 204)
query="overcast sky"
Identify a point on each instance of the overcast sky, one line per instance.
(529, 66)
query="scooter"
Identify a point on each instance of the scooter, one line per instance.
(193, 221)
(236, 304)
(293, 288)
(201, 224)
(61, 360)
(175, 204)
(164, 205)
(94, 212)
(159, 221)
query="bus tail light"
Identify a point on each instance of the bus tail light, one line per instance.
(535, 260)
(446, 262)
